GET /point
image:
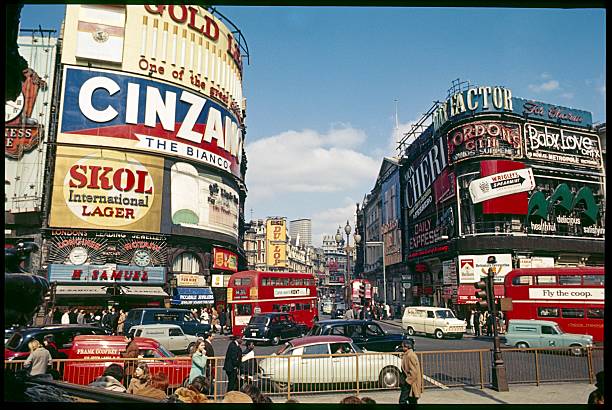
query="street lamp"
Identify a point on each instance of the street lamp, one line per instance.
(500, 381)
(357, 240)
(347, 275)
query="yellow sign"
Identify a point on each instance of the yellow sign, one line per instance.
(276, 238)
(102, 188)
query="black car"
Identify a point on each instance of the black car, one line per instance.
(365, 334)
(272, 328)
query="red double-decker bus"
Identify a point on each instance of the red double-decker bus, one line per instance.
(253, 292)
(572, 297)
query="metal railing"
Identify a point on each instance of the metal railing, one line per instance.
(288, 375)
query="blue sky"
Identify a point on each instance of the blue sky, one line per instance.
(322, 83)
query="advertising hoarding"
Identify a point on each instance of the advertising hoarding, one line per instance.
(193, 281)
(473, 267)
(485, 139)
(501, 185)
(106, 189)
(113, 109)
(106, 274)
(276, 239)
(390, 219)
(224, 260)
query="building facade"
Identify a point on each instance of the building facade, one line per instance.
(146, 183)
(302, 229)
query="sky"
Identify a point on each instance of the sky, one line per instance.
(323, 86)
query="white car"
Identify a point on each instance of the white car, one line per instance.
(329, 360)
(171, 337)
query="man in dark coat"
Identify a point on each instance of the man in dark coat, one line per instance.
(233, 360)
(73, 316)
(477, 323)
(210, 353)
(222, 320)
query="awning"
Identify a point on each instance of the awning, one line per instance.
(143, 291)
(80, 290)
(192, 296)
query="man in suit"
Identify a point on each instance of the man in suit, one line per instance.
(477, 323)
(233, 360)
(411, 379)
(210, 353)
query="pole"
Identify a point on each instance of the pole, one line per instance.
(500, 381)
(349, 290)
(384, 273)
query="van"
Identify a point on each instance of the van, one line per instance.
(437, 321)
(171, 337)
(90, 355)
(180, 317)
(543, 333)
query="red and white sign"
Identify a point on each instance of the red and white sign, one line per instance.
(502, 184)
(590, 294)
(225, 260)
(467, 293)
(473, 267)
(20, 139)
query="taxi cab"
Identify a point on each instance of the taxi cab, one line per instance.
(90, 355)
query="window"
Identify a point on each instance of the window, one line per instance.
(430, 314)
(138, 333)
(337, 330)
(522, 280)
(306, 306)
(548, 330)
(341, 348)
(572, 313)
(276, 308)
(284, 281)
(298, 306)
(548, 312)
(186, 262)
(265, 282)
(374, 330)
(594, 313)
(175, 332)
(243, 309)
(316, 349)
(526, 329)
(444, 314)
(593, 280)
(546, 280)
(354, 331)
(569, 279)
(242, 281)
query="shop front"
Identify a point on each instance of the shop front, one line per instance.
(192, 297)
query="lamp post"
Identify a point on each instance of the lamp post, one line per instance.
(500, 381)
(347, 275)
(383, 263)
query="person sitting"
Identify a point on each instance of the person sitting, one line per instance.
(110, 379)
(195, 392)
(351, 400)
(234, 396)
(156, 388)
(140, 379)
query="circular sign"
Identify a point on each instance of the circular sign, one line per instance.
(78, 255)
(109, 191)
(141, 258)
(13, 109)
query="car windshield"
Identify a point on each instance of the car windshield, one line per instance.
(445, 314)
(164, 352)
(258, 320)
(315, 331)
(558, 329)
(285, 350)
(14, 341)
(357, 348)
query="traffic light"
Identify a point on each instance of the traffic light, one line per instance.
(362, 290)
(483, 293)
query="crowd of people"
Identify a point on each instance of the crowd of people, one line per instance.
(373, 311)
(481, 323)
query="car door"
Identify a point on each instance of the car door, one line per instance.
(355, 332)
(177, 339)
(429, 322)
(315, 369)
(286, 327)
(549, 337)
(343, 363)
(375, 338)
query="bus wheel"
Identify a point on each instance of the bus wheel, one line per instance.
(276, 340)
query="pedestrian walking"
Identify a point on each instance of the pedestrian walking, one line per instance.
(214, 320)
(131, 352)
(140, 379)
(57, 316)
(39, 359)
(233, 360)
(73, 316)
(198, 361)
(471, 322)
(210, 354)
(121, 321)
(489, 324)
(411, 380)
(65, 318)
(222, 320)
(114, 320)
(205, 317)
(349, 314)
(476, 319)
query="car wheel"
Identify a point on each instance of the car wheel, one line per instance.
(522, 345)
(439, 334)
(389, 377)
(276, 340)
(410, 331)
(576, 350)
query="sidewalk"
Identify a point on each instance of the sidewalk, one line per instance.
(559, 393)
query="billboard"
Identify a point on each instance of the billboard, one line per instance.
(26, 120)
(224, 260)
(114, 109)
(473, 267)
(106, 189)
(276, 239)
(501, 184)
(185, 45)
(202, 201)
(485, 139)
(106, 274)
(390, 228)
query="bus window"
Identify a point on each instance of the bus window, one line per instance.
(569, 280)
(595, 313)
(242, 281)
(593, 280)
(298, 306)
(522, 280)
(284, 282)
(569, 312)
(547, 280)
(265, 282)
(292, 282)
(243, 309)
(548, 312)
(307, 306)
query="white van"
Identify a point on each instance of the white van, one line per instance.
(436, 321)
(171, 337)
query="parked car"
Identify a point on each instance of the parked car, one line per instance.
(273, 328)
(16, 348)
(334, 363)
(338, 313)
(364, 333)
(171, 337)
(440, 322)
(327, 307)
(543, 333)
(101, 350)
(180, 317)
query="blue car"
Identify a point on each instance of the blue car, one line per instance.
(180, 317)
(365, 333)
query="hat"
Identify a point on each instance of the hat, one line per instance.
(409, 342)
(236, 397)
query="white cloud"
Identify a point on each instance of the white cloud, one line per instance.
(398, 134)
(326, 222)
(568, 96)
(546, 86)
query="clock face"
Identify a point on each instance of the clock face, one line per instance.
(12, 109)
(141, 258)
(78, 255)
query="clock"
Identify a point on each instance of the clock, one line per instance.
(78, 255)
(142, 258)
(13, 109)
